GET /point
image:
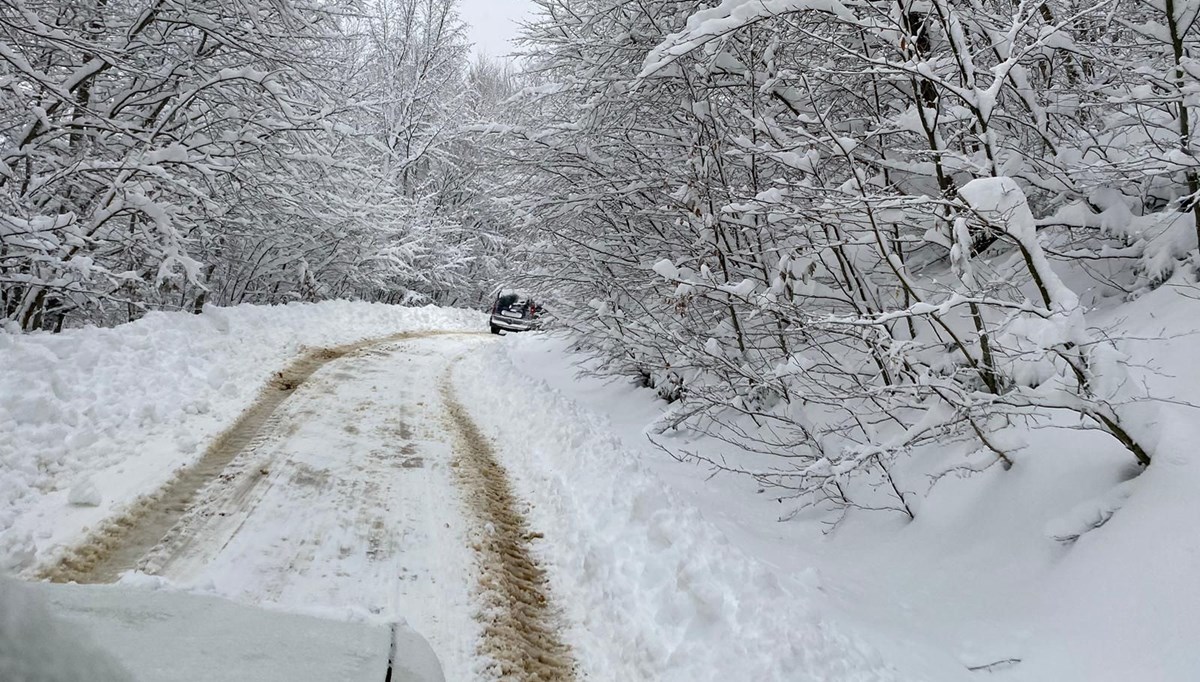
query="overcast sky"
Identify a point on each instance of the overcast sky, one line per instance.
(494, 23)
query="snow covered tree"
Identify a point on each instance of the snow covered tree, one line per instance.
(131, 132)
(836, 233)
(181, 153)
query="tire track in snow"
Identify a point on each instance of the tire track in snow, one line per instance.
(120, 543)
(520, 632)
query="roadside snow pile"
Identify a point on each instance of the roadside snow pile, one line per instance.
(114, 412)
(653, 590)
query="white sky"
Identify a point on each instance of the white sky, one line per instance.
(493, 23)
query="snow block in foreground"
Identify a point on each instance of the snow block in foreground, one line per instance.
(37, 647)
(162, 636)
(85, 494)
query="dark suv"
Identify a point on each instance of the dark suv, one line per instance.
(514, 312)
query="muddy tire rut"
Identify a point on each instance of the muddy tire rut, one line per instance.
(121, 543)
(520, 627)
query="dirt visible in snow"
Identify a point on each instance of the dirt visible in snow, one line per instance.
(519, 625)
(120, 543)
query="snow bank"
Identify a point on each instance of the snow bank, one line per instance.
(653, 590)
(119, 410)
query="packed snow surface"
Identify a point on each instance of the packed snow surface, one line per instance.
(345, 506)
(109, 414)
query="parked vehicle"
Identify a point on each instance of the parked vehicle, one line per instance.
(514, 312)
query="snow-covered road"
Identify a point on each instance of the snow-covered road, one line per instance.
(426, 478)
(357, 494)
